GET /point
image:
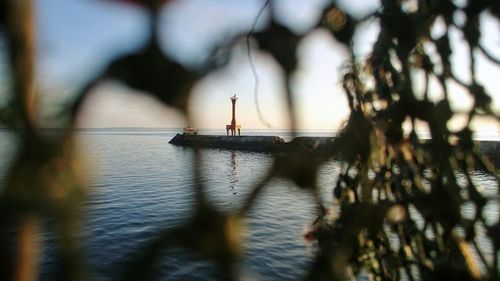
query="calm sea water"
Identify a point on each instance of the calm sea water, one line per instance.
(139, 185)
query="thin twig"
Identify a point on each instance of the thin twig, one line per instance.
(488, 55)
(254, 70)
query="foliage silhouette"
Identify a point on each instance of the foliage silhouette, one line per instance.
(388, 178)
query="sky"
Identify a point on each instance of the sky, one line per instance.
(77, 38)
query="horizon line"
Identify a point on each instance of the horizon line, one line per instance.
(172, 128)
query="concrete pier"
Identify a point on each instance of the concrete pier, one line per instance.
(245, 143)
(316, 145)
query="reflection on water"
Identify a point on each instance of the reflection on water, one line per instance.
(233, 179)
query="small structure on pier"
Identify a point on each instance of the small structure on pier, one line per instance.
(233, 127)
(190, 131)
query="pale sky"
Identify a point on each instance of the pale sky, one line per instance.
(77, 38)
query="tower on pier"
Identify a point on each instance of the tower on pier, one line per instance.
(233, 127)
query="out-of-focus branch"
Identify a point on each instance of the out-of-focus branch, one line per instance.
(21, 51)
(21, 48)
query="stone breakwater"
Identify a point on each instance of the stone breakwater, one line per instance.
(246, 143)
(316, 145)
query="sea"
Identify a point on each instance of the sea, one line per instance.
(140, 185)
